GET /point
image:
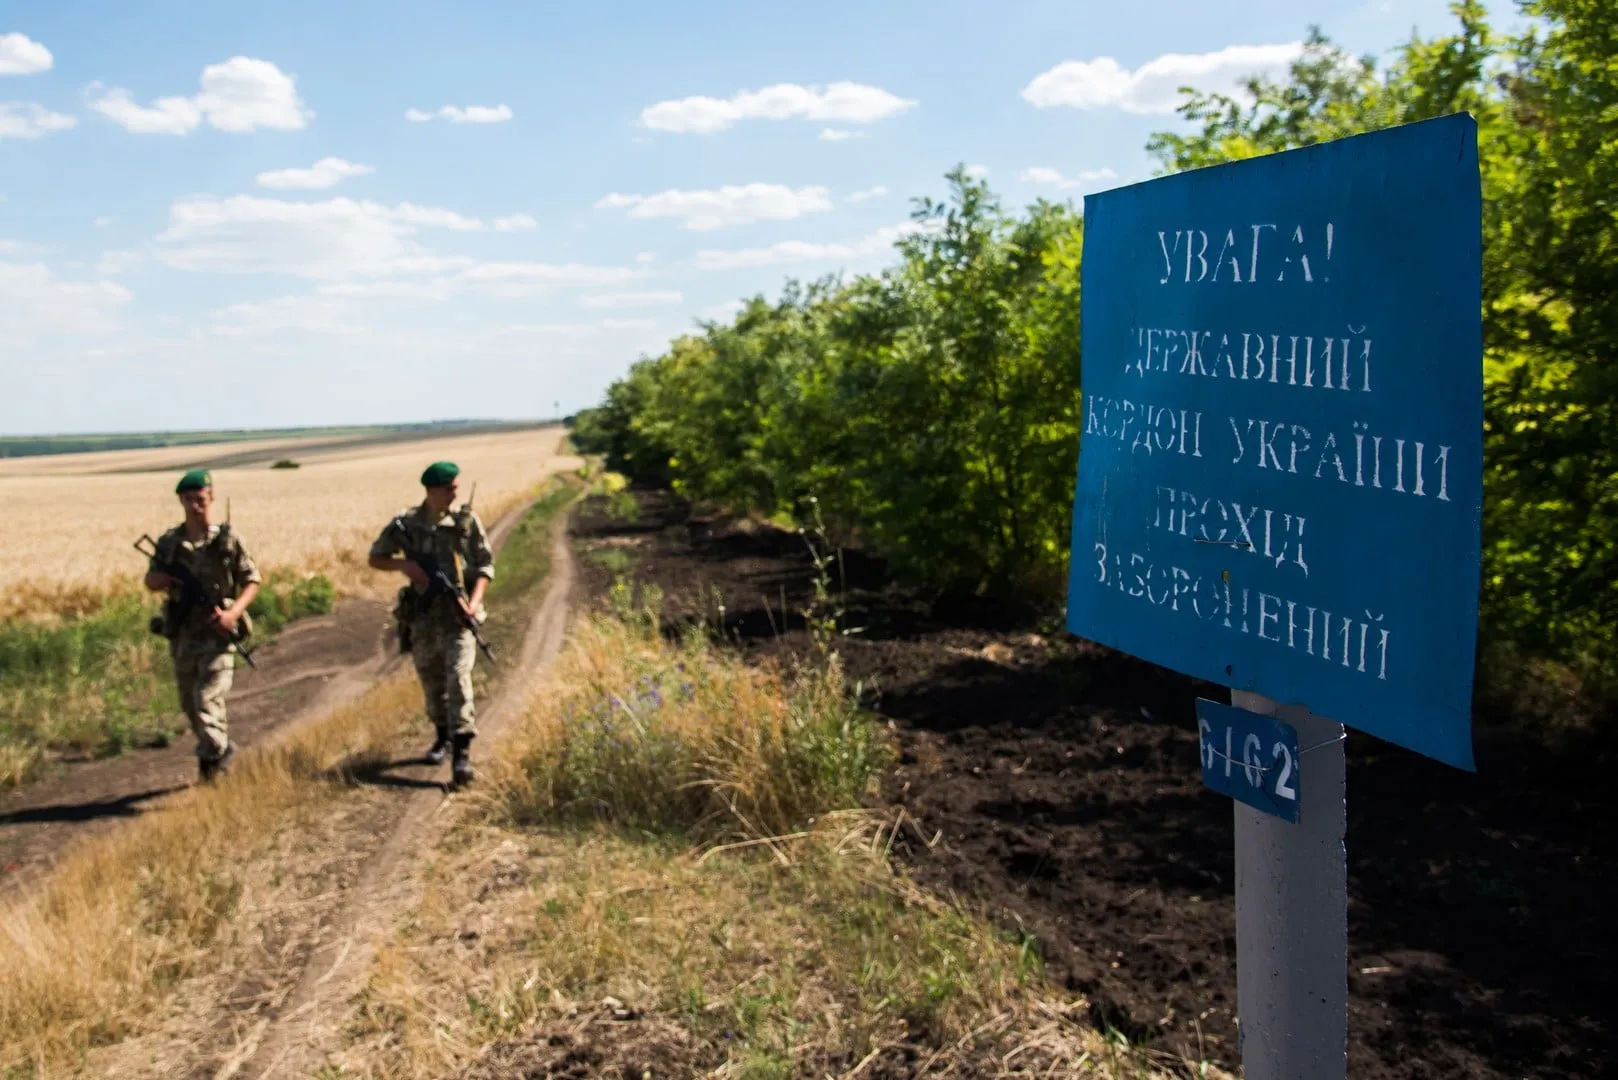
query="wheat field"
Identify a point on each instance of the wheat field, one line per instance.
(74, 517)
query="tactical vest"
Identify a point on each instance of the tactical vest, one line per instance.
(452, 556)
(214, 565)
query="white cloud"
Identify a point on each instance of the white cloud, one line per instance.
(21, 55)
(841, 102)
(27, 120)
(113, 263)
(733, 204)
(513, 280)
(1040, 174)
(869, 193)
(309, 314)
(1154, 86)
(103, 222)
(166, 116)
(631, 300)
(574, 330)
(722, 313)
(978, 171)
(239, 95)
(792, 251)
(514, 221)
(325, 173)
(338, 239)
(840, 134)
(471, 114)
(34, 300)
(644, 256)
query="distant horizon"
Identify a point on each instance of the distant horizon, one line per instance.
(133, 433)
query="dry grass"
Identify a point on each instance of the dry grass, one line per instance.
(595, 950)
(70, 549)
(91, 957)
(682, 739)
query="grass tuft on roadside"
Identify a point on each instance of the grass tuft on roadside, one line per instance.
(679, 738)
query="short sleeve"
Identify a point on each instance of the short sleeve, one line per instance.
(479, 555)
(390, 542)
(245, 569)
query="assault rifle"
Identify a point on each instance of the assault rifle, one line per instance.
(192, 593)
(439, 584)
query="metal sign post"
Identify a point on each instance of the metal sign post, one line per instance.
(1280, 491)
(1292, 914)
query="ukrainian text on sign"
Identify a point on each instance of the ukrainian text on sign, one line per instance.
(1281, 461)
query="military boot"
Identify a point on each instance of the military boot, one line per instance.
(461, 772)
(439, 750)
(212, 769)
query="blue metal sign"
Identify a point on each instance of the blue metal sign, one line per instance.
(1280, 473)
(1251, 758)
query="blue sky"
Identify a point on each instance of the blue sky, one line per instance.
(356, 212)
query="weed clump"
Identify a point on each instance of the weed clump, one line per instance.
(677, 737)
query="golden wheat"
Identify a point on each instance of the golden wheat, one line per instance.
(70, 532)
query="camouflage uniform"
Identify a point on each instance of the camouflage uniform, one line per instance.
(204, 665)
(443, 650)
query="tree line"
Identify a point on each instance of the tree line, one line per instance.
(932, 410)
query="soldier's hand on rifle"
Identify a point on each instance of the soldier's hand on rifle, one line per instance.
(468, 610)
(157, 581)
(418, 576)
(224, 621)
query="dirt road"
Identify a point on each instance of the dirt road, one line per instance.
(294, 1040)
(331, 886)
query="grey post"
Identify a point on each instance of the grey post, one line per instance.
(1292, 915)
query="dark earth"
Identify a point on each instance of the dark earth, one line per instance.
(1061, 780)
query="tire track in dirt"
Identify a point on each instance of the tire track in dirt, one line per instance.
(293, 1040)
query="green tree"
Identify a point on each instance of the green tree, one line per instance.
(1546, 104)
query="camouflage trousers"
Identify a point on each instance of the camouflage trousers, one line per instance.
(204, 677)
(444, 657)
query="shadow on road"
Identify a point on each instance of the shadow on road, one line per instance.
(124, 806)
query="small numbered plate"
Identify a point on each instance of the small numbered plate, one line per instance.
(1251, 758)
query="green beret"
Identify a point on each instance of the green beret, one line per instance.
(195, 480)
(440, 473)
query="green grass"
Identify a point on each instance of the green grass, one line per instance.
(519, 571)
(100, 684)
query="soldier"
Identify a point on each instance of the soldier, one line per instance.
(431, 628)
(201, 637)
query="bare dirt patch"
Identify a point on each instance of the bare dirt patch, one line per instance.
(1061, 780)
